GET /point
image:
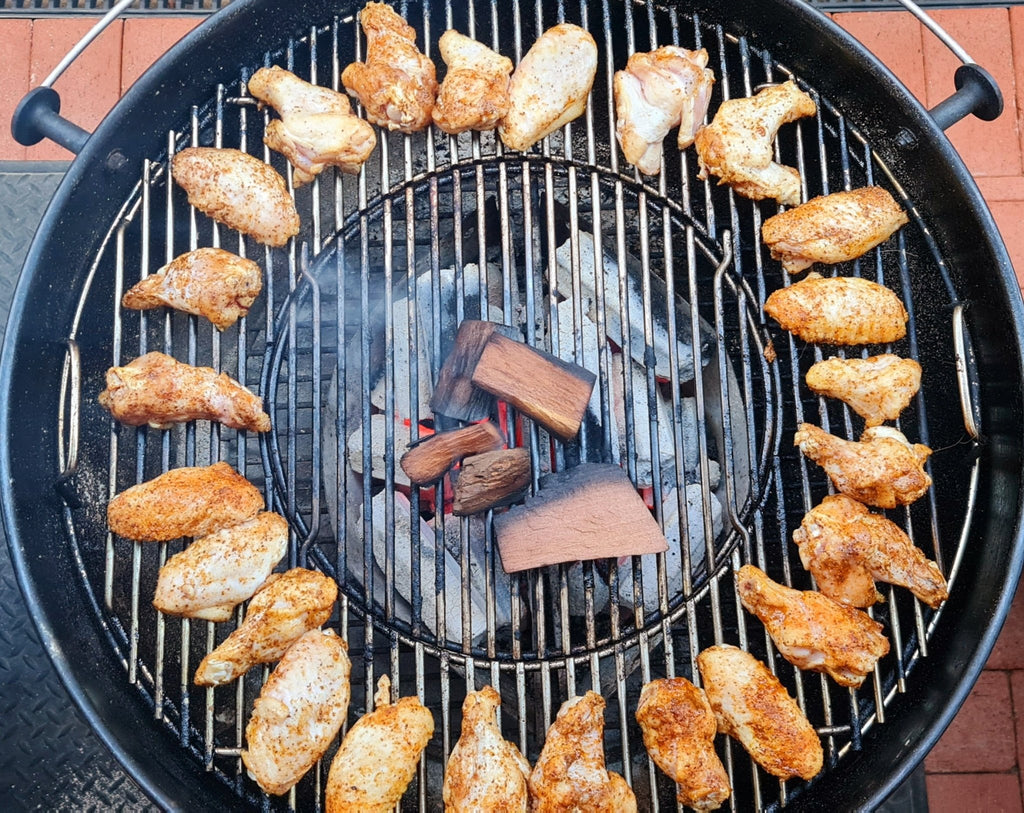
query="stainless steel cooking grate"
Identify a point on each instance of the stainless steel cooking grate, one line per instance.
(357, 316)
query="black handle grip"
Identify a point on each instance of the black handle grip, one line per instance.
(37, 116)
(976, 92)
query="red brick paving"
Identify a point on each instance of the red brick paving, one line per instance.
(15, 45)
(145, 39)
(973, 793)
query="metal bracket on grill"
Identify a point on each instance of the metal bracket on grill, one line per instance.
(963, 379)
(71, 387)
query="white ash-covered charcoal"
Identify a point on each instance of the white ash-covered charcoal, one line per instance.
(405, 346)
(430, 457)
(469, 534)
(491, 479)
(641, 426)
(456, 396)
(378, 445)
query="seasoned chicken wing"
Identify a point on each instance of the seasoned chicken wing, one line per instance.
(190, 501)
(737, 145)
(832, 228)
(838, 310)
(299, 711)
(485, 771)
(659, 90)
(754, 708)
(397, 84)
(284, 609)
(208, 282)
(238, 190)
(161, 391)
(317, 127)
(474, 93)
(679, 730)
(882, 469)
(222, 569)
(846, 548)
(570, 773)
(812, 631)
(378, 757)
(549, 88)
(876, 388)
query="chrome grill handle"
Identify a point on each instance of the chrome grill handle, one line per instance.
(68, 423)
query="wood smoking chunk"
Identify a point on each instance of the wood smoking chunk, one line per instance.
(491, 479)
(432, 457)
(553, 392)
(455, 395)
(591, 511)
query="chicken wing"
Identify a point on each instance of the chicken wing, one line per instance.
(485, 771)
(285, 608)
(679, 730)
(221, 570)
(659, 90)
(317, 127)
(474, 93)
(397, 84)
(299, 711)
(838, 310)
(550, 86)
(832, 228)
(876, 388)
(737, 145)
(161, 391)
(191, 501)
(752, 706)
(208, 282)
(238, 190)
(377, 758)
(883, 469)
(846, 548)
(570, 773)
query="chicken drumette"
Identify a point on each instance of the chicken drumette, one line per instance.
(876, 388)
(474, 93)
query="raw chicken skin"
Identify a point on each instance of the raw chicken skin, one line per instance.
(882, 469)
(285, 608)
(221, 570)
(299, 711)
(397, 84)
(661, 89)
(161, 391)
(209, 282)
(878, 388)
(570, 773)
(754, 708)
(378, 757)
(832, 228)
(846, 548)
(550, 86)
(737, 145)
(191, 501)
(317, 127)
(838, 310)
(485, 771)
(812, 631)
(474, 93)
(679, 730)
(238, 190)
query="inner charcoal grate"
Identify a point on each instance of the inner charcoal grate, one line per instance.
(357, 316)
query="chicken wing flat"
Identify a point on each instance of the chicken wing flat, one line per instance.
(474, 93)
(754, 708)
(838, 310)
(570, 773)
(832, 228)
(208, 282)
(217, 572)
(737, 145)
(485, 771)
(238, 190)
(846, 548)
(161, 391)
(378, 757)
(679, 730)
(882, 469)
(397, 84)
(878, 388)
(661, 89)
(299, 711)
(285, 608)
(317, 127)
(191, 501)
(549, 88)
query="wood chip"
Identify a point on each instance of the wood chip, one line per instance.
(429, 459)
(455, 396)
(491, 479)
